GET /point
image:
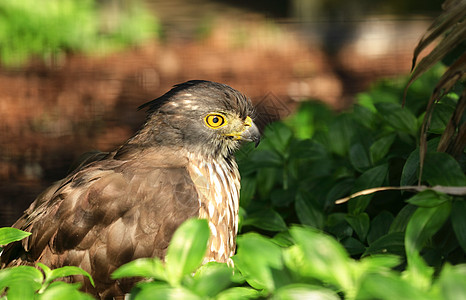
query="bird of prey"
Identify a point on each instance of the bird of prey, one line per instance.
(127, 204)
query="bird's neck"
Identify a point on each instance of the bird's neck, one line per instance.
(217, 183)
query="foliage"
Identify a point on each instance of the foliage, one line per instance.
(451, 26)
(26, 282)
(49, 28)
(295, 242)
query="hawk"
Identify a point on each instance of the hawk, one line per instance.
(126, 204)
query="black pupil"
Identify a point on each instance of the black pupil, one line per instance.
(215, 120)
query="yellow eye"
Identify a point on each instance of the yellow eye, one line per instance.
(215, 120)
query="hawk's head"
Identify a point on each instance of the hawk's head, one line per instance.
(204, 117)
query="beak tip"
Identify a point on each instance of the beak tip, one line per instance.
(256, 142)
(252, 134)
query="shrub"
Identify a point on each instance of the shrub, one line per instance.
(49, 28)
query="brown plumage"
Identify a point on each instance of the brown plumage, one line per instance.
(126, 204)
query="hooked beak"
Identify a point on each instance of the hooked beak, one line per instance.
(251, 134)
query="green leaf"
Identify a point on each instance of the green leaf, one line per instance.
(338, 226)
(142, 267)
(389, 243)
(265, 180)
(442, 169)
(373, 177)
(278, 137)
(387, 286)
(428, 198)
(341, 131)
(266, 219)
(186, 250)
(452, 282)
(379, 149)
(378, 263)
(19, 291)
(299, 291)
(410, 171)
(458, 221)
(63, 291)
(283, 239)
(359, 157)
(211, 279)
(360, 224)
(402, 219)
(418, 273)
(266, 159)
(247, 191)
(235, 293)
(10, 234)
(150, 291)
(325, 259)
(397, 117)
(66, 271)
(25, 276)
(307, 212)
(309, 150)
(255, 258)
(353, 246)
(424, 223)
(440, 117)
(281, 198)
(379, 226)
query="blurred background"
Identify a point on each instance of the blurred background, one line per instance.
(73, 72)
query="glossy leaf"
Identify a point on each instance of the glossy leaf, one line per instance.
(428, 198)
(353, 246)
(152, 291)
(410, 171)
(378, 263)
(458, 221)
(10, 234)
(388, 286)
(186, 250)
(397, 117)
(308, 213)
(325, 259)
(402, 219)
(452, 282)
(371, 178)
(379, 149)
(359, 157)
(379, 226)
(21, 275)
(305, 291)
(389, 243)
(210, 279)
(238, 293)
(341, 130)
(63, 291)
(424, 223)
(442, 169)
(266, 219)
(278, 137)
(142, 267)
(418, 273)
(255, 258)
(19, 291)
(360, 223)
(51, 275)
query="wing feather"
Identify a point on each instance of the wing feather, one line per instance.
(107, 214)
